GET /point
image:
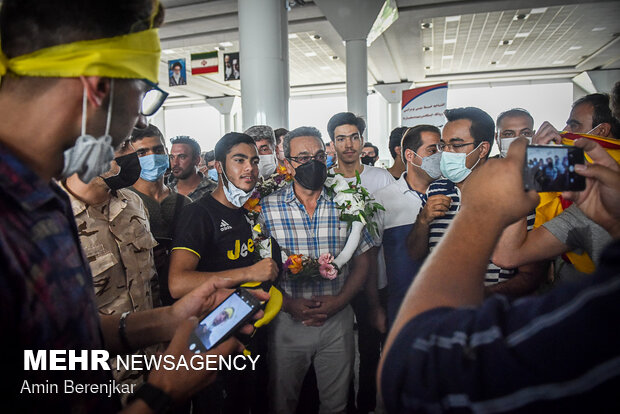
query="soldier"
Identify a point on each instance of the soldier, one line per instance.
(116, 237)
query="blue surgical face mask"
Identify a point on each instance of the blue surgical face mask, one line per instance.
(330, 161)
(453, 165)
(154, 166)
(431, 165)
(212, 174)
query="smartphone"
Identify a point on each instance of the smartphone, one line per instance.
(552, 168)
(224, 320)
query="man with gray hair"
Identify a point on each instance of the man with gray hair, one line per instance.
(316, 325)
(265, 140)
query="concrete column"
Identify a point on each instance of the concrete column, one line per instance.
(224, 105)
(357, 77)
(286, 89)
(262, 62)
(393, 92)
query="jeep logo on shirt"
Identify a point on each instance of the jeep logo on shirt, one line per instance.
(241, 250)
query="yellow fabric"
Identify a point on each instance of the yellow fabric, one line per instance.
(615, 153)
(273, 307)
(131, 56)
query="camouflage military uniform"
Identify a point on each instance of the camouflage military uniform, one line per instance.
(118, 243)
(205, 186)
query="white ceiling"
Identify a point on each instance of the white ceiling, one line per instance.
(555, 39)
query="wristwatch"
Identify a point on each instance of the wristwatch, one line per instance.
(155, 398)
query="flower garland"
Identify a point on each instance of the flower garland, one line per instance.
(263, 188)
(357, 209)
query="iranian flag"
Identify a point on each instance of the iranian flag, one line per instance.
(204, 63)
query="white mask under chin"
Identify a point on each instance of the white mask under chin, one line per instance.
(235, 195)
(90, 156)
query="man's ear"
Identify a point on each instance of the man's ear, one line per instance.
(218, 167)
(602, 130)
(97, 88)
(397, 150)
(485, 149)
(409, 156)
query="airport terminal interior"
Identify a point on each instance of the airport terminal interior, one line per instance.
(496, 55)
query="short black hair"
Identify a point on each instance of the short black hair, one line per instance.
(304, 131)
(209, 156)
(602, 111)
(412, 138)
(193, 144)
(513, 113)
(150, 131)
(280, 133)
(30, 25)
(482, 126)
(345, 118)
(227, 142)
(369, 145)
(396, 136)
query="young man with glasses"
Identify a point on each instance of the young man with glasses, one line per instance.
(466, 142)
(316, 325)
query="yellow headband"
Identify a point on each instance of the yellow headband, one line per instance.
(131, 56)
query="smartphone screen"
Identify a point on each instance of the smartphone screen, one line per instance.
(552, 168)
(223, 321)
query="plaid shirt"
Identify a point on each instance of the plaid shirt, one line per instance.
(297, 233)
(47, 298)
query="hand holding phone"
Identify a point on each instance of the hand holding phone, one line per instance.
(224, 320)
(552, 168)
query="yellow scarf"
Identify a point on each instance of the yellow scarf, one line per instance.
(130, 56)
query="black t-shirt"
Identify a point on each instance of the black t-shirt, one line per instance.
(219, 235)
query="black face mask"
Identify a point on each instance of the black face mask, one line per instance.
(368, 160)
(311, 175)
(129, 174)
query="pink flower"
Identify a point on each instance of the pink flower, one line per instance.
(328, 271)
(325, 259)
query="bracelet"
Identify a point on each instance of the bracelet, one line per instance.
(122, 333)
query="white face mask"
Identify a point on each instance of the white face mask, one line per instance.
(90, 156)
(235, 195)
(267, 165)
(504, 143)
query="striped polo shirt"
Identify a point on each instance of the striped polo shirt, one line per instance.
(439, 226)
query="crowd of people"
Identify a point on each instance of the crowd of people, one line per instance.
(463, 293)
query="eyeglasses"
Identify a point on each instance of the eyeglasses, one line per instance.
(153, 99)
(442, 146)
(321, 157)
